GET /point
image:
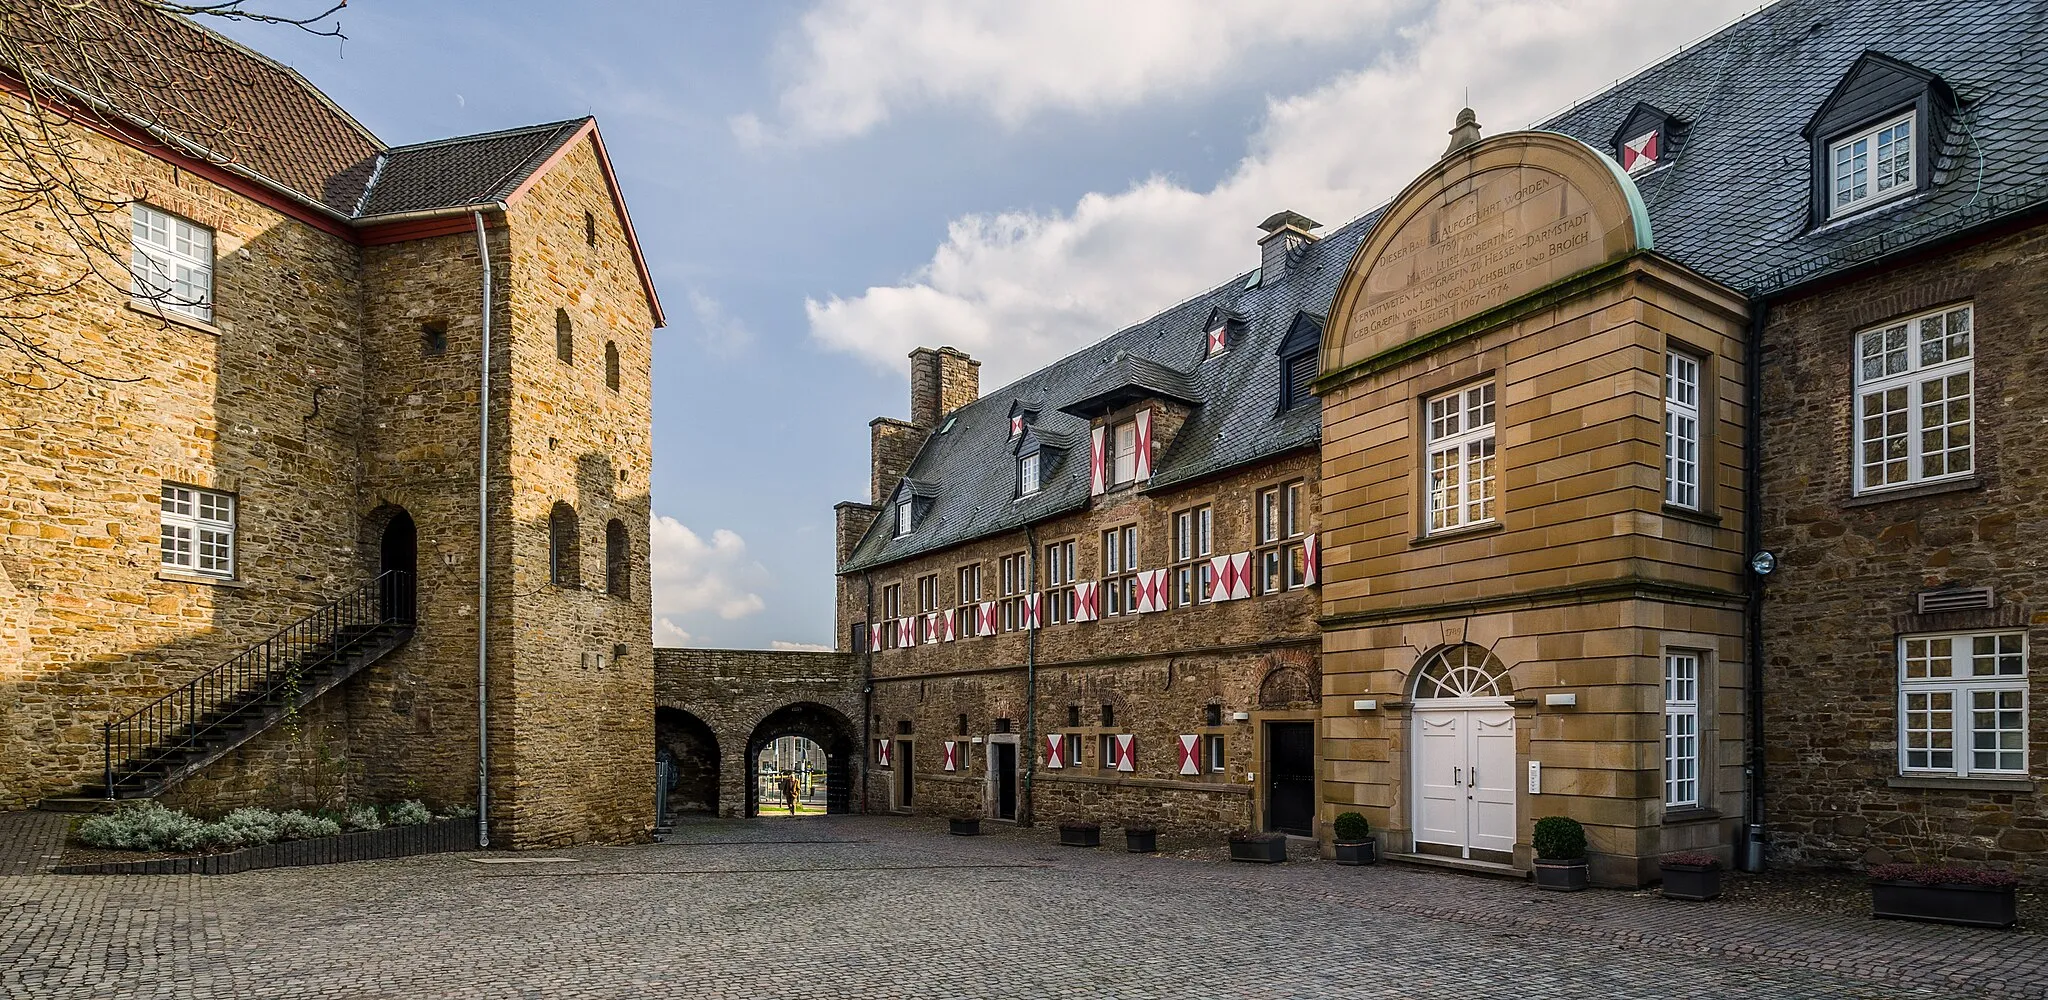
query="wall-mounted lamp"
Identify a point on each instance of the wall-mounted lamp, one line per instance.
(1365, 704)
(1566, 700)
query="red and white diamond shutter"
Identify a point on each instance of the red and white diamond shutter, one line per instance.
(1145, 443)
(882, 753)
(874, 637)
(1016, 425)
(1032, 602)
(1098, 478)
(952, 755)
(1230, 577)
(1055, 750)
(1219, 338)
(906, 631)
(1126, 752)
(1190, 755)
(1087, 601)
(931, 628)
(1640, 153)
(1311, 556)
(985, 619)
(1151, 592)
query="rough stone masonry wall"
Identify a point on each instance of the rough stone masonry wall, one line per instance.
(266, 402)
(731, 691)
(581, 733)
(1157, 670)
(1849, 567)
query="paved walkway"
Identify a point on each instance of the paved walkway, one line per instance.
(873, 907)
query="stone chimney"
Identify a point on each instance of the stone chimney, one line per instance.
(895, 445)
(1286, 233)
(1465, 132)
(941, 381)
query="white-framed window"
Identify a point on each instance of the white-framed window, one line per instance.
(172, 261)
(1963, 704)
(1283, 519)
(1027, 475)
(1191, 549)
(927, 602)
(903, 519)
(1915, 400)
(1682, 430)
(1070, 751)
(892, 612)
(1871, 166)
(1214, 744)
(1119, 593)
(1016, 583)
(1462, 469)
(1123, 465)
(197, 530)
(1105, 751)
(1681, 727)
(1060, 599)
(969, 604)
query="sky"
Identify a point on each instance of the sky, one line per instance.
(821, 186)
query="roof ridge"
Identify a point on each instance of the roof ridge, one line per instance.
(494, 134)
(308, 85)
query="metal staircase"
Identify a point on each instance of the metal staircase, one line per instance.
(177, 735)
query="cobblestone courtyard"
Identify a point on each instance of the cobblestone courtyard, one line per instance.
(873, 907)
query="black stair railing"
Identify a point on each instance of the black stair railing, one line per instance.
(180, 721)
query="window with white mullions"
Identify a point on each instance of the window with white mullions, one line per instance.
(1681, 430)
(1027, 475)
(1060, 600)
(172, 262)
(1963, 704)
(196, 529)
(1681, 728)
(1915, 400)
(1191, 550)
(970, 601)
(1283, 520)
(1462, 467)
(1871, 166)
(1119, 591)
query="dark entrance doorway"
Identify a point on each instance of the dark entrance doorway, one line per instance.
(1291, 778)
(398, 551)
(1006, 780)
(690, 749)
(819, 724)
(905, 781)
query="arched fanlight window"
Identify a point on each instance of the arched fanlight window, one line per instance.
(565, 337)
(1461, 671)
(562, 545)
(611, 366)
(618, 561)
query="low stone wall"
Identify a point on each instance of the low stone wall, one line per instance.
(438, 837)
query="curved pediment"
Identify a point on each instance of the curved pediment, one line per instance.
(1485, 226)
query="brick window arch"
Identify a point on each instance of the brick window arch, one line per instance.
(618, 560)
(565, 337)
(611, 365)
(562, 545)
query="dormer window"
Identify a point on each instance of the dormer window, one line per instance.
(1647, 139)
(1027, 475)
(1640, 153)
(1875, 137)
(1871, 166)
(1300, 360)
(903, 517)
(1223, 330)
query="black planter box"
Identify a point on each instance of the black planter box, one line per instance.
(1560, 876)
(1698, 883)
(964, 827)
(1081, 836)
(1141, 840)
(436, 837)
(1968, 905)
(1364, 852)
(1265, 850)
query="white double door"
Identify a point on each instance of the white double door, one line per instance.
(1465, 778)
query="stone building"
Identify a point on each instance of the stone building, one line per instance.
(289, 391)
(1653, 474)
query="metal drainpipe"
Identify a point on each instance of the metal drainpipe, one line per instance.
(483, 556)
(1753, 617)
(1026, 814)
(867, 692)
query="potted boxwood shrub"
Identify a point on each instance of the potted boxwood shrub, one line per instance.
(1080, 834)
(1691, 876)
(1263, 848)
(964, 826)
(1560, 844)
(1141, 839)
(1354, 845)
(1973, 897)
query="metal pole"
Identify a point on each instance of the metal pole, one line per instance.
(483, 552)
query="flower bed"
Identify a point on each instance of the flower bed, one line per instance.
(438, 836)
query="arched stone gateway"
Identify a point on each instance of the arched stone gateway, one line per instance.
(820, 724)
(690, 749)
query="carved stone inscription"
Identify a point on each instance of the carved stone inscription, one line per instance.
(1488, 239)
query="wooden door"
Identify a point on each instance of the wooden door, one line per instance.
(1440, 810)
(1490, 782)
(1006, 780)
(905, 784)
(1291, 778)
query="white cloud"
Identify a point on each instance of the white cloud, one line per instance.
(694, 576)
(1018, 289)
(720, 333)
(798, 647)
(852, 64)
(668, 633)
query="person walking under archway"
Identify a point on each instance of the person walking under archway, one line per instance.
(788, 787)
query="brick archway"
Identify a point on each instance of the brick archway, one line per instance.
(831, 730)
(745, 698)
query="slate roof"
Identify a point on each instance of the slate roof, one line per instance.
(470, 170)
(1733, 204)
